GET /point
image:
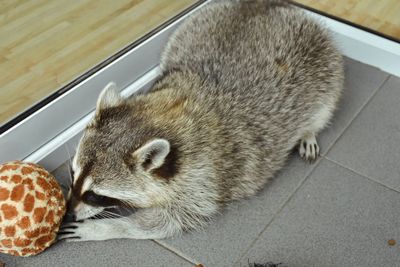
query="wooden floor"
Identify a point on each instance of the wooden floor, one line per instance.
(381, 16)
(44, 44)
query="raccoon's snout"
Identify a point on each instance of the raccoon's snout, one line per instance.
(70, 217)
(91, 204)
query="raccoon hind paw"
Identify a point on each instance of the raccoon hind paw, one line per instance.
(309, 148)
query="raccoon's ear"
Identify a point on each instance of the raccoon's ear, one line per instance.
(109, 97)
(153, 154)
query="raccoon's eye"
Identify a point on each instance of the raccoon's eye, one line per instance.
(94, 199)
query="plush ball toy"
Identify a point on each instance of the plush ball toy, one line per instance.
(31, 208)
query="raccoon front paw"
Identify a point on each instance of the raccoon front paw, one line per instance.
(308, 148)
(93, 230)
(86, 230)
(74, 231)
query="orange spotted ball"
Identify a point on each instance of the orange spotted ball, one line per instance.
(31, 208)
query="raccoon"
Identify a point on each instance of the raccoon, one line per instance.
(242, 84)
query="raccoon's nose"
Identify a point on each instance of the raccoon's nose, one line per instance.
(70, 217)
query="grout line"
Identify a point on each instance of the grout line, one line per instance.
(356, 115)
(362, 175)
(306, 176)
(175, 251)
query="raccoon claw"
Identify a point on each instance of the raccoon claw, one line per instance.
(309, 149)
(68, 232)
(68, 237)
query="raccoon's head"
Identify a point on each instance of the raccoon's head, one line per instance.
(121, 160)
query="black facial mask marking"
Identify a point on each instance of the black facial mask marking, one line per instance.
(96, 200)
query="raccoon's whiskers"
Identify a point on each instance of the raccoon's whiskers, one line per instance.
(113, 215)
(127, 203)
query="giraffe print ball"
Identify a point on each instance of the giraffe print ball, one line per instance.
(31, 208)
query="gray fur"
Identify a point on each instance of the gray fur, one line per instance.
(243, 82)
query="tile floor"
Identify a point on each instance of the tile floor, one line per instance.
(340, 211)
